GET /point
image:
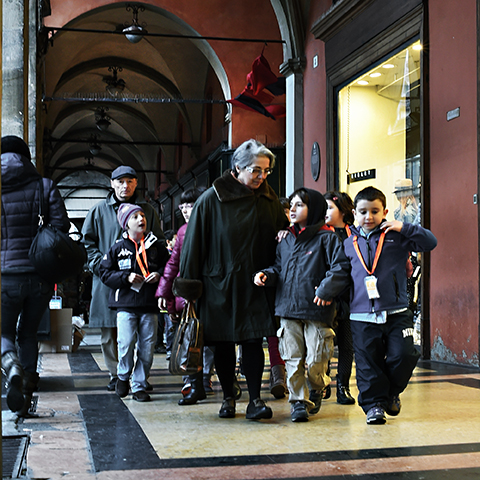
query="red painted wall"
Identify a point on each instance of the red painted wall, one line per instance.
(454, 307)
(314, 119)
(242, 19)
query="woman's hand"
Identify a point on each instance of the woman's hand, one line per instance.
(281, 235)
(153, 278)
(260, 279)
(162, 303)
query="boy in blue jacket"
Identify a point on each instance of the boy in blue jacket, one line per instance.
(132, 268)
(382, 324)
(309, 272)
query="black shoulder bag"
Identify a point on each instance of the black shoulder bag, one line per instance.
(54, 254)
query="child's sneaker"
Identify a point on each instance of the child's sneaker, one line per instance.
(299, 412)
(376, 416)
(327, 392)
(316, 398)
(394, 406)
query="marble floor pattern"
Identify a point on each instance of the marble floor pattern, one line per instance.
(80, 431)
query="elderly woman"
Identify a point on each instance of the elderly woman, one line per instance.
(230, 236)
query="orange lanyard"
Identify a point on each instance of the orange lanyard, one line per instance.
(377, 253)
(347, 229)
(142, 264)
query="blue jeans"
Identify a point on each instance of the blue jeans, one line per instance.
(140, 330)
(25, 298)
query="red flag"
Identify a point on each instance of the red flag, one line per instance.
(261, 89)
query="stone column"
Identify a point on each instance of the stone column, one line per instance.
(13, 103)
(293, 69)
(32, 78)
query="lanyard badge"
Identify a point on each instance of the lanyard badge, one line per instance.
(371, 280)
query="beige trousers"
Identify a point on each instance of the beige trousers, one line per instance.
(305, 342)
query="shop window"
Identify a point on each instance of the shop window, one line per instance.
(379, 139)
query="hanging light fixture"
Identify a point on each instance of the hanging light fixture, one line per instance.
(115, 85)
(89, 161)
(102, 120)
(134, 32)
(93, 146)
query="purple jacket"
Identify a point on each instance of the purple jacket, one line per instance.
(174, 304)
(390, 271)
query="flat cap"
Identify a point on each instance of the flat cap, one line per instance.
(124, 171)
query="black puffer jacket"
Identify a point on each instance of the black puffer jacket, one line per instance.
(309, 262)
(20, 201)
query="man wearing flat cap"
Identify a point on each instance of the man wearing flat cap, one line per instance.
(100, 231)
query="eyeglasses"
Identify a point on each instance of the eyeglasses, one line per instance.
(184, 206)
(259, 171)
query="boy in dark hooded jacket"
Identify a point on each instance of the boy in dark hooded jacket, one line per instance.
(309, 272)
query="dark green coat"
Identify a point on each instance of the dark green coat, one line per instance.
(230, 236)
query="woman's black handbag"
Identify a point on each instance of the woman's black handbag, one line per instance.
(55, 254)
(187, 348)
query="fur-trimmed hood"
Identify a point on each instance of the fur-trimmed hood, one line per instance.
(228, 188)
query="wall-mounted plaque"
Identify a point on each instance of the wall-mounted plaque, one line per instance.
(315, 161)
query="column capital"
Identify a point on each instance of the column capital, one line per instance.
(292, 66)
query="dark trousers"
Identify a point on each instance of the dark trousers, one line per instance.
(385, 357)
(25, 298)
(253, 361)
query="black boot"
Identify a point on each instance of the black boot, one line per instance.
(30, 384)
(197, 391)
(278, 381)
(14, 374)
(343, 393)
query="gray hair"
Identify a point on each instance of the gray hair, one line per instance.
(246, 153)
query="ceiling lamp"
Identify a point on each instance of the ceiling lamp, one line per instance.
(115, 85)
(93, 146)
(102, 120)
(134, 32)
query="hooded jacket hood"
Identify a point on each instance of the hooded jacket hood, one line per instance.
(17, 171)
(317, 210)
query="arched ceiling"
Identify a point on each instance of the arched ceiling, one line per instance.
(76, 70)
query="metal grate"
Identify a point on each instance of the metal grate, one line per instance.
(14, 455)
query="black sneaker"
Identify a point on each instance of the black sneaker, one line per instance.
(122, 388)
(141, 396)
(376, 416)
(316, 397)
(394, 406)
(112, 384)
(257, 410)
(299, 412)
(149, 387)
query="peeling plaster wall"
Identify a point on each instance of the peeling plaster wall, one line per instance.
(454, 289)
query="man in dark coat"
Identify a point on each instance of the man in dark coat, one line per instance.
(231, 235)
(100, 231)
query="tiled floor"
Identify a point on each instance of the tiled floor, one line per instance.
(81, 431)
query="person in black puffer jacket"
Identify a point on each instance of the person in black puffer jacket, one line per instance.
(25, 295)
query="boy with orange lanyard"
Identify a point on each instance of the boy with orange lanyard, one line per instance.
(132, 268)
(382, 324)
